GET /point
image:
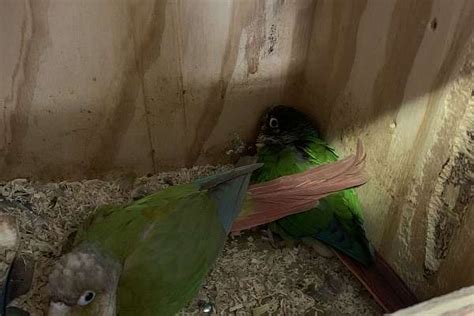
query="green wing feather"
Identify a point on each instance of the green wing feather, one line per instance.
(155, 280)
(279, 163)
(167, 242)
(336, 220)
(146, 236)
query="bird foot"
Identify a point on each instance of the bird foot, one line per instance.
(274, 241)
(246, 160)
(320, 248)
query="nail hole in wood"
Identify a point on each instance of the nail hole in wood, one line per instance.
(434, 24)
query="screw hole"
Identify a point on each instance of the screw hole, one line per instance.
(434, 24)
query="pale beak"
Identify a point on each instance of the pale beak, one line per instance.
(260, 142)
(58, 309)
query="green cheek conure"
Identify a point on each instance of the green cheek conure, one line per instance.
(288, 143)
(151, 256)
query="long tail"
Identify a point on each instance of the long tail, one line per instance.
(272, 200)
(386, 287)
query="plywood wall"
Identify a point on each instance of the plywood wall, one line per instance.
(94, 86)
(399, 75)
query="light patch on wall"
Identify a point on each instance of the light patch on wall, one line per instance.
(452, 196)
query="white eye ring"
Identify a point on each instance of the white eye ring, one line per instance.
(273, 123)
(86, 298)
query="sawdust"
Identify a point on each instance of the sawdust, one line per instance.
(256, 277)
(252, 277)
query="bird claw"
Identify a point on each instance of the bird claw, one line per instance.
(206, 307)
(275, 241)
(319, 247)
(246, 160)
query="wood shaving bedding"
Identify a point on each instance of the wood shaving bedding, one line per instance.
(251, 277)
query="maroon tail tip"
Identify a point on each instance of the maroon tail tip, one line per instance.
(382, 282)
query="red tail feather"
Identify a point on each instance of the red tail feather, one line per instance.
(387, 288)
(300, 192)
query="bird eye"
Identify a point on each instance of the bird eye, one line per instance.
(86, 298)
(273, 123)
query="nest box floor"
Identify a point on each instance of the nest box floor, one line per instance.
(254, 275)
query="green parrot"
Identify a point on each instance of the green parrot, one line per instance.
(289, 143)
(150, 257)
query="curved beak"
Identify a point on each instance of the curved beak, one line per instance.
(260, 141)
(58, 309)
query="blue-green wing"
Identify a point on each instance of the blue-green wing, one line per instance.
(167, 243)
